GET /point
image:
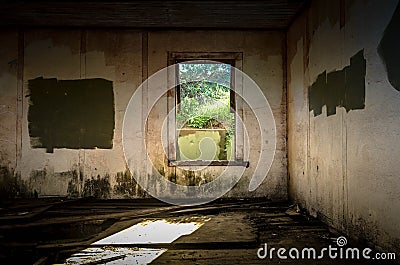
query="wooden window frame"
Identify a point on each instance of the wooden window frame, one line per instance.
(235, 59)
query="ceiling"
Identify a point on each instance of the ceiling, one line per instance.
(222, 14)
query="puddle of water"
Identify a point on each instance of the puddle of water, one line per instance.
(146, 232)
(119, 255)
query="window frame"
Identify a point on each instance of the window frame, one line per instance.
(235, 59)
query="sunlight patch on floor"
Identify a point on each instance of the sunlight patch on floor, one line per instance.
(152, 231)
(146, 232)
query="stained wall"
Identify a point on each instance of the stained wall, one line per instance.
(64, 94)
(343, 117)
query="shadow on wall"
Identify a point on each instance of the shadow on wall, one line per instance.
(388, 49)
(342, 88)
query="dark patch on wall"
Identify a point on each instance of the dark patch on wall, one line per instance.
(37, 178)
(12, 186)
(388, 49)
(190, 178)
(127, 185)
(342, 88)
(97, 187)
(74, 185)
(172, 177)
(76, 114)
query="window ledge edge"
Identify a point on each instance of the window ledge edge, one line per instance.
(242, 163)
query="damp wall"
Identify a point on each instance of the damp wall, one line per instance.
(63, 96)
(343, 117)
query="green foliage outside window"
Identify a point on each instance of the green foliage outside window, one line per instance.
(203, 104)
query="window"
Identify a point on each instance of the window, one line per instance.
(205, 119)
(204, 129)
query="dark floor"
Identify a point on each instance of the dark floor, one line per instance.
(50, 231)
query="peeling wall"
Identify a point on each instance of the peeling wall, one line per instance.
(343, 160)
(55, 145)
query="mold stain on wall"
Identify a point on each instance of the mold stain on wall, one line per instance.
(75, 114)
(342, 88)
(75, 184)
(127, 186)
(11, 185)
(98, 187)
(388, 49)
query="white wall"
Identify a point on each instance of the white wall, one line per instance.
(344, 167)
(126, 57)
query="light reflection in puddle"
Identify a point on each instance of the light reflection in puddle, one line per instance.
(112, 255)
(158, 231)
(146, 232)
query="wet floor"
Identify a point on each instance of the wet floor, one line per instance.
(150, 232)
(146, 232)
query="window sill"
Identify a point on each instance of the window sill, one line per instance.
(240, 163)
